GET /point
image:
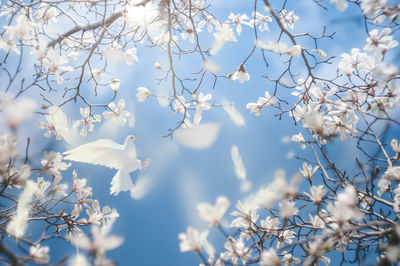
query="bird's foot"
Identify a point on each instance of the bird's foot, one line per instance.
(146, 164)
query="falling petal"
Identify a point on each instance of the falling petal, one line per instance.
(199, 137)
(234, 114)
(238, 165)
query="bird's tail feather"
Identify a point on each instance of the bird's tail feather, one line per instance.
(121, 182)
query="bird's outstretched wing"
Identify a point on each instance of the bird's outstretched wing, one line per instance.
(102, 152)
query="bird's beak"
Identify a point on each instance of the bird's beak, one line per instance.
(135, 138)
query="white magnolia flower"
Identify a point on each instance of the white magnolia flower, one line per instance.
(317, 194)
(210, 21)
(269, 258)
(39, 254)
(114, 84)
(192, 240)
(270, 225)
(52, 163)
(295, 50)
(87, 121)
(236, 249)
(100, 242)
(213, 214)
(41, 187)
(380, 41)
(97, 74)
(8, 143)
(56, 122)
(287, 209)
(246, 215)
(372, 7)
(260, 104)
(117, 114)
(241, 74)
(261, 20)
(55, 63)
(142, 94)
(238, 20)
(288, 19)
(308, 171)
(395, 146)
(299, 138)
(316, 222)
(180, 105)
(17, 111)
(285, 236)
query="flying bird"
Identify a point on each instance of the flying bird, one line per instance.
(113, 155)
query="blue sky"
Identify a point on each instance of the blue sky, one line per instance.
(182, 177)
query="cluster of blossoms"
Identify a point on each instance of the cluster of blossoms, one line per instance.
(344, 213)
(287, 222)
(47, 199)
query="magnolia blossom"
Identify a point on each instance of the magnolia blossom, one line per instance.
(100, 242)
(299, 138)
(8, 143)
(285, 236)
(287, 209)
(17, 111)
(241, 74)
(261, 20)
(246, 215)
(288, 19)
(381, 41)
(270, 225)
(395, 146)
(236, 249)
(213, 214)
(308, 171)
(372, 7)
(41, 187)
(117, 114)
(261, 102)
(202, 103)
(269, 258)
(238, 20)
(295, 50)
(356, 61)
(192, 240)
(317, 194)
(98, 216)
(114, 84)
(316, 222)
(210, 21)
(39, 254)
(142, 94)
(52, 163)
(55, 64)
(87, 121)
(180, 105)
(265, 197)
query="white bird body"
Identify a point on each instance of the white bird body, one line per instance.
(113, 155)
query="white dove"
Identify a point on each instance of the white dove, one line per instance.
(113, 155)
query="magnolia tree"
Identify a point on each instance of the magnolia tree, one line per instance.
(56, 56)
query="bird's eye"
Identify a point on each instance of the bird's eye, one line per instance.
(131, 137)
